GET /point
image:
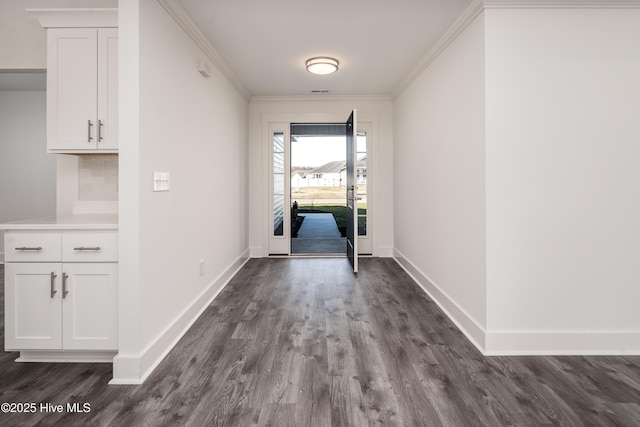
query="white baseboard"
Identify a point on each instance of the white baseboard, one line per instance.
(469, 327)
(385, 252)
(126, 370)
(135, 369)
(525, 343)
(255, 252)
(562, 343)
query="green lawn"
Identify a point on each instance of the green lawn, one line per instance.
(339, 214)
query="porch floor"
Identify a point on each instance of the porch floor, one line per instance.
(318, 234)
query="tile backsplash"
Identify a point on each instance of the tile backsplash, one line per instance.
(98, 177)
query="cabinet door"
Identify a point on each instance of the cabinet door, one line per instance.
(72, 63)
(89, 306)
(107, 88)
(33, 312)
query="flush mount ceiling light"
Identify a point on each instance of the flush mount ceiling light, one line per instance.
(322, 65)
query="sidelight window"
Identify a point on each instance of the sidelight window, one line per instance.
(278, 183)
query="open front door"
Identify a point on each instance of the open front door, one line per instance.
(352, 192)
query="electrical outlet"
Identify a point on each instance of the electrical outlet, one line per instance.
(202, 267)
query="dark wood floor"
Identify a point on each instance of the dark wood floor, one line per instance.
(301, 342)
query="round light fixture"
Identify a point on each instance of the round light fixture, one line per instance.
(322, 65)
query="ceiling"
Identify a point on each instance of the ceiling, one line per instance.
(378, 42)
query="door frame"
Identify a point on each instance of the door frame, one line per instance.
(367, 122)
(352, 189)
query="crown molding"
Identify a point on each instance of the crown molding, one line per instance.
(561, 4)
(468, 15)
(184, 20)
(478, 6)
(76, 17)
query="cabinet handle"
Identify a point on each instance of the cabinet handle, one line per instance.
(53, 286)
(25, 248)
(82, 248)
(65, 291)
(89, 124)
(100, 138)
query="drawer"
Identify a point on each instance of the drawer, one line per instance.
(32, 247)
(90, 247)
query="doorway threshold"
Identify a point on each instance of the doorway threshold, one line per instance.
(310, 255)
(316, 255)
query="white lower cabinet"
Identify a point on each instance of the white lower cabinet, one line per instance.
(33, 308)
(89, 314)
(66, 306)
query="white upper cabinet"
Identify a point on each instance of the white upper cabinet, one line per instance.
(82, 90)
(108, 88)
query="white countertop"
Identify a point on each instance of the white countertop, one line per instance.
(66, 222)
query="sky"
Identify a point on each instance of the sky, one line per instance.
(319, 150)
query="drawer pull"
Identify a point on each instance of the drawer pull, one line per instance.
(82, 248)
(65, 291)
(53, 287)
(25, 248)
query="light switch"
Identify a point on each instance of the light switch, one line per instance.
(161, 181)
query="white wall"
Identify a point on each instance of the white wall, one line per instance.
(173, 120)
(23, 42)
(526, 131)
(27, 172)
(377, 111)
(563, 202)
(439, 180)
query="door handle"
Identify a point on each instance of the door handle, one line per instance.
(82, 248)
(25, 248)
(351, 193)
(100, 138)
(65, 291)
(89, 124)
(53, 286)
